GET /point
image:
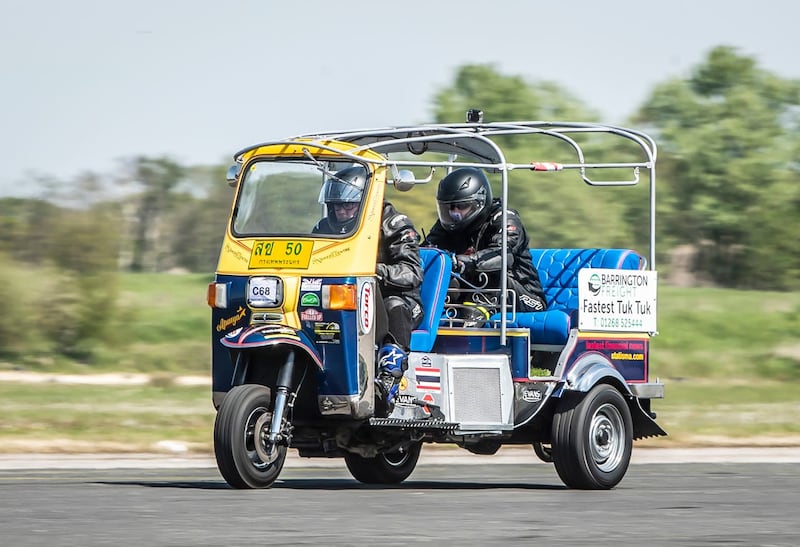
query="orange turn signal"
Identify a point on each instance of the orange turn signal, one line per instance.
(217, 295)
(339, 297)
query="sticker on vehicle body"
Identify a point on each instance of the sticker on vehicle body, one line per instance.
(311, 315)
(428, 379)
(327, 332)
(427, 398)
(404, 400)
(531, 395)
(311, 284)
(227, 322)
(366, 307)
(617, 300)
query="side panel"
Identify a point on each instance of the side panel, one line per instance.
(475, 391)
(628, 353)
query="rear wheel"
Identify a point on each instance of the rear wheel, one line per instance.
(592, 438)
(385, 468)
(244, 458)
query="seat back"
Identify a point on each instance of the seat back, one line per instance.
(558, 270)
(436, 269)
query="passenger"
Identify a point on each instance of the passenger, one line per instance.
(399, 273)
(470, 226)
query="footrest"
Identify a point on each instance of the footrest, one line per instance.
(439, 425)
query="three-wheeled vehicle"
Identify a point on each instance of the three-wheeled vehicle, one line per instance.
(293, 315)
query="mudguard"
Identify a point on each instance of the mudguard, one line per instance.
(258, 336)
(592, 369)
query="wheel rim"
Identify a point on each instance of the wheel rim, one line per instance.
(606, 437)
(397, 459)
(255, 431)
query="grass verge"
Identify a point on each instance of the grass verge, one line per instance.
(163, 417)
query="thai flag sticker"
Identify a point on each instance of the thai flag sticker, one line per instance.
(428, 379)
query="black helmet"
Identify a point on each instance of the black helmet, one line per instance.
(464, 197)
(346, 186)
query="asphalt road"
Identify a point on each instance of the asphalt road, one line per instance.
(723, 500)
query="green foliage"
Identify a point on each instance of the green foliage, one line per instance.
(729, 137)
(724, 333)
(559, 210)
(728, 411)
(63, 417)
(200, 219)
(157, 177)
(15, 321)
(505, 98)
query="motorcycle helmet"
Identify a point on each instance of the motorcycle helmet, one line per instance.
(342, 194)
(463, 198)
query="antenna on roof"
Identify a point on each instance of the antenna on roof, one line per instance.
(474, 115)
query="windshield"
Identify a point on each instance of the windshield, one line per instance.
(290, 198)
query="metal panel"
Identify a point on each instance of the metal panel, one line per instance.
(476, 395)
(480, 392)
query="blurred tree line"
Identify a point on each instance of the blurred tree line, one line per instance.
(728, 199)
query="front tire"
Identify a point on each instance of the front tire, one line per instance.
(242, 422)
(592, 438)
(385, 468)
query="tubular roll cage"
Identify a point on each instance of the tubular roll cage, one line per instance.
(474, 140)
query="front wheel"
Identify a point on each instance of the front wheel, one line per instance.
(385, 468)
(592, 438)
(244, 458)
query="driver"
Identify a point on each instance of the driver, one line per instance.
(470, 225)
(399, 273)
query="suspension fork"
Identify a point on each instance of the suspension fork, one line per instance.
(282, 397)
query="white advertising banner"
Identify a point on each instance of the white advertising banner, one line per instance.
(617, 300)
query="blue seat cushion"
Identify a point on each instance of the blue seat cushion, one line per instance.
(436, 268)
(549, 327)
(558, 272)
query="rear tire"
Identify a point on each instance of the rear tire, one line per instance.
(592, 438)
(385, 468)
(242, 421)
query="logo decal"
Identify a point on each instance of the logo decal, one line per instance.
(594, 284)
(309, 299)
(224, 323)
(366, 307)
(310, 284)
(531, 395)
(311, 315)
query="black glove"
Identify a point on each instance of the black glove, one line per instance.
(463, 264)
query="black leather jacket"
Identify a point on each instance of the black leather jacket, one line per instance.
(399, 268)
(479, 250)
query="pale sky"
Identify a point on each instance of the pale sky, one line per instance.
(87, 83)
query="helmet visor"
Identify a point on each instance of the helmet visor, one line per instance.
(337, 190)
(454, 215)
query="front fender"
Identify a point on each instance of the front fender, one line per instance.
(592, 368)
(259, 336)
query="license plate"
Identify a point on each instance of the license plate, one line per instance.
(270, 253)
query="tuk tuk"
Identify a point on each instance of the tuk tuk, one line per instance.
(293, 315)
